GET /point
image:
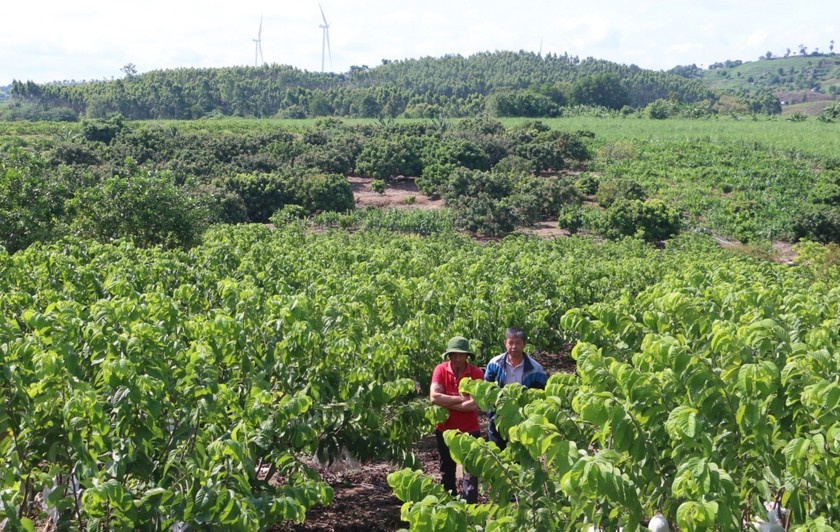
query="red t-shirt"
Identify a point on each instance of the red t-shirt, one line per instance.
(463, 421)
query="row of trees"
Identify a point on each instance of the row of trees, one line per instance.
(505, 83)
(164, 185)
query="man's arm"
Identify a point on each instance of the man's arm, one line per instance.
(468, 405)
(491, 372)
(439, 398)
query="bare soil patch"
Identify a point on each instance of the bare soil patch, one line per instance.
(396, 194)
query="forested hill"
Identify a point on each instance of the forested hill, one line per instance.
(488, 73)
(500, 83)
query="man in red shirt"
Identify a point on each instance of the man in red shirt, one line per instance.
(463, 411)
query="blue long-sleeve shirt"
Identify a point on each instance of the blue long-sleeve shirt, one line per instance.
(533, 374)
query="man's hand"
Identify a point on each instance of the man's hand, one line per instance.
(463, 403)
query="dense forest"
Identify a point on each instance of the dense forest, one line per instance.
(498, 83)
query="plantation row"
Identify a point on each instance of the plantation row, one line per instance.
(146, 388)
(701, 398)
(150, 388)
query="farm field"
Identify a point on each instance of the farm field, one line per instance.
(203, 384)
(810, 137)
(196, 386)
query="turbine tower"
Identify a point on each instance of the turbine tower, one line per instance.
(325, 38)
(258, 45)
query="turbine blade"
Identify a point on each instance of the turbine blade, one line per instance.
(259, 33)
(323, 16)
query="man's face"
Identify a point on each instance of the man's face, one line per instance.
(458, 360)
(514, 346)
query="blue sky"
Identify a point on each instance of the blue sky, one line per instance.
(94, 39)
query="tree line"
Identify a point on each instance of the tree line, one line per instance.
(501, 83)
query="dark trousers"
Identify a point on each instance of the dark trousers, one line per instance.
(469, 484)
(494, 436)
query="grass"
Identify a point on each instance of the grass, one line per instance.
(810, 137)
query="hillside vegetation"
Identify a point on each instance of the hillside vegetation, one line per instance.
(501, 83)
(804, 83)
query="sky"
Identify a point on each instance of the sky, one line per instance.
(55, 40)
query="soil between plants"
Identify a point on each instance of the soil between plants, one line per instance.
(363, 499)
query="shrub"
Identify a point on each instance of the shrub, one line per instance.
(287, 214)
(457, 151)
(660, 109)
(551, 194)
(337, 156)
(465, 183)
(387, 157)
(31, 200)
(36, 113)
(409, 200)
(434, 178)
(521, 103)
(650, 220)
(481, 203)
(817, 222)
(262, 194)
(488, 134)
(378, 186)
(326, 192)
(147, 208)
(587, 184)
(97, 130)
(513, 165)
(485, 215)
(827, 189)
(571, 218)
(620, 188)
(223, 206)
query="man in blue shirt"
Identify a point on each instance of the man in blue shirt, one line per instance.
(513, 366)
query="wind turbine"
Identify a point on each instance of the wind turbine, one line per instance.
(325, 38)
(258, 45)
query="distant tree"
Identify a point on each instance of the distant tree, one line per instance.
(600, 89)
(803, 50)
(130, 70)
(686, 71)
(831, 46)
(768, 55)
(787, 52)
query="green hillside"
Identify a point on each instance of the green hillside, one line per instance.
(499, 83)
(806, 84)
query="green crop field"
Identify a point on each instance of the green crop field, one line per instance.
(809, 137)
(170, 361)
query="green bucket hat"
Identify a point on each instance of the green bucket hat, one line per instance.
(457, 344)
